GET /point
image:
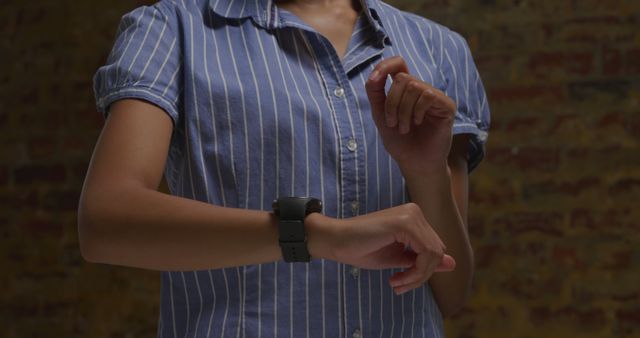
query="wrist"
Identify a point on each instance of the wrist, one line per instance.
(320, 231)
(431, 174)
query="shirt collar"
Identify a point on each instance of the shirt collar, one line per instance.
(264, 12)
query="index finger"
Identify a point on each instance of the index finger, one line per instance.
(390, 66)
(377, 80)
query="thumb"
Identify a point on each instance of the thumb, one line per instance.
(446, 264)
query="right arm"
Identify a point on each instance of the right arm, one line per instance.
(124, 220)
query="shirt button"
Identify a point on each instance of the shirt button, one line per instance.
(352, 145)
(339, 92)
(355, 206)
(357, 334)
(355, 272)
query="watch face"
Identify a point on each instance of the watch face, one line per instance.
(310, 204)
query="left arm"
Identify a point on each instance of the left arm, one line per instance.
(415, 122)
(442, 195)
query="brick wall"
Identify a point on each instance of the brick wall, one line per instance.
(553, 215)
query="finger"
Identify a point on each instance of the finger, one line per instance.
(443, 106)
(447, 264)
(392, 256)
(408, 104)
(402, 277)
(406, 288)
(424, 103)
(390, 66)
(424, 268)
(376, 82)
(393, 99)
(377, 98)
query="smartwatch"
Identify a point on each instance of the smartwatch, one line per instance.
(291, 212)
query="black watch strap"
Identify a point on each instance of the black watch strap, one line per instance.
(291, 212)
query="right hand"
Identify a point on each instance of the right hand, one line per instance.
(378, 240)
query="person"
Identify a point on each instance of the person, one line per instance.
(377, 113)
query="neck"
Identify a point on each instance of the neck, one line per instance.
(319, 3)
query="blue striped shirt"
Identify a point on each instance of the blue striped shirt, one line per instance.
(263, 107)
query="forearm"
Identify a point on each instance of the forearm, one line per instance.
(433, 193)
(149, 229)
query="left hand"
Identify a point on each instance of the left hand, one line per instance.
(414, 121)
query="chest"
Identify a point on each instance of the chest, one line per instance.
(269, 112)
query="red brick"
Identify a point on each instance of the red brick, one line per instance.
(591, 318)
(552, 188)
(590, 30)
(614, 118)
(620, 260)
(625, 186)
(4, 118)
(566, 255)
(617, 220)
(526, 158)
(523, 123)
(476, 226)
(632, 65)
(61, 200)
(627, 298)
(40, 173)
(595, 20)
(515, 93)
(581, 318)
(580, 64)
(601, 89)
(611, 61)
(561, 120)
(605, 157)
(78, 172)
(503, 193)
(42, 227)
(548, 223)
(629, 316)
(20, 199)
(529, 287)
(435, 5)
(633, 126)
(540, 315)
(486, 254)
(4, 175)
(492, 61)
(42, 147)
(544, 64)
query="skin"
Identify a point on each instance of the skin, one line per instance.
(415, 123)
(124, 220)
(333, 19)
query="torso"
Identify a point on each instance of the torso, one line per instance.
(262, 113)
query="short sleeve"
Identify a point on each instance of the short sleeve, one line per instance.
(465, 87)
(144, 63)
